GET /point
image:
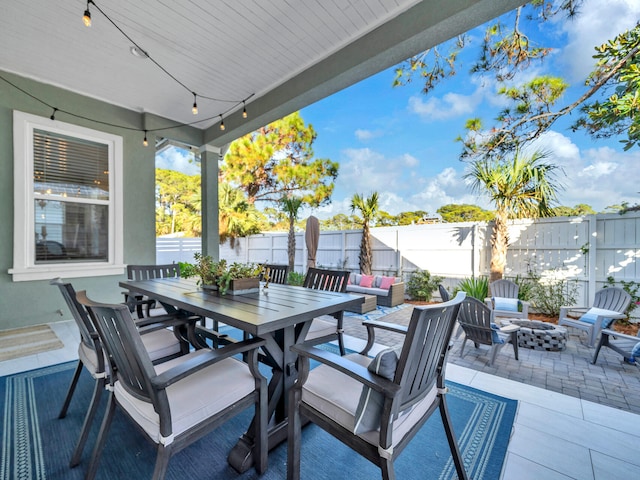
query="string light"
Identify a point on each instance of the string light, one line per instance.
(53, 114)
(86, 18)
(244, 109)
(194, 109)
(145, 142)
(221, 123)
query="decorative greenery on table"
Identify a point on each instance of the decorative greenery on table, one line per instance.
(218, 273)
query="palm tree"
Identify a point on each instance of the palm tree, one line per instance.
(291, 206)
(525, 187)
(237, 218)
(368, 207)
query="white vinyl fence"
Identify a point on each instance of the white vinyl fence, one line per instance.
(585, 249)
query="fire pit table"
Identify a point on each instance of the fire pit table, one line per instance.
(539, 335)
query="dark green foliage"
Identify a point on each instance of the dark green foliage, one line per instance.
(476, 287)
(295, 278)
(421, 285)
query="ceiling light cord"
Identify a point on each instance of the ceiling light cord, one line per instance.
(145, 142)
(194, 109)
(53, 114)
(222, 127)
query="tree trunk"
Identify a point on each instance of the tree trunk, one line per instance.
(499, 245)
(291, 244)
(365, 251)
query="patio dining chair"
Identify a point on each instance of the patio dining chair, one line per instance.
(477, 322)
(504, 300)
(382, 403)
(161, 344)
(277, 273)
(324, 329)
(141, 304)
(609, 305)
(161, 400)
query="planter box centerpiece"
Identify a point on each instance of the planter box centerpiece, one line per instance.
(234, 279)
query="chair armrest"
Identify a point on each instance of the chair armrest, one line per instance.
(149, 324)
(624, 336)
(193, 365)
(564, 311)
(392, 327)
(349, 368)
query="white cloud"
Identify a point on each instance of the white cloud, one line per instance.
(450, 105)
(364, 135)
(178, 159)
(595, 176)
(597, 22)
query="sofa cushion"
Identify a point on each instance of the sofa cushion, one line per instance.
(366, 281)
(367, 416)
(386, 282)
(368, 291)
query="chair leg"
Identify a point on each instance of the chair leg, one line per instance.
(451, 438)
(386, 466)
(604, 341)
(464, 342)
(494, 352)
(72, 388)
(294, 434)
(102, 437)
(162, 461)
(88, 420)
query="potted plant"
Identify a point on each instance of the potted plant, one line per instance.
(235, 278)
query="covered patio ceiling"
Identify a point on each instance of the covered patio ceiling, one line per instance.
(281, 55)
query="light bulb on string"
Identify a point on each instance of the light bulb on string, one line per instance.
(53, 114)
(86, 18)
(244, 110)
(194, 109)
(222, 127)
(145, 142)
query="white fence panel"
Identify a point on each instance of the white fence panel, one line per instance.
(585, 249)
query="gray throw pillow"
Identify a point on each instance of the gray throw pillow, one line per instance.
(371, 402)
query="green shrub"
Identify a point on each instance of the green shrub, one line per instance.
(476, 287)
(551, 290)
(525, 287)
(295, 278)
(421, 285)
(632, 288)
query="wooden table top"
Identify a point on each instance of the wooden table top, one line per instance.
(267, 310)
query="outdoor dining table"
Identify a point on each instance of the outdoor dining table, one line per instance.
(280, 314)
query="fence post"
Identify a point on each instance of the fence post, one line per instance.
(592, 255)
(475, 252)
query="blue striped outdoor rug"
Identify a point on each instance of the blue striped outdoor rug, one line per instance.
(36, 445)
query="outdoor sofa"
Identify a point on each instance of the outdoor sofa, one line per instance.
(389, 291)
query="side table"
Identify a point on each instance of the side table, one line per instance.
(368, 305)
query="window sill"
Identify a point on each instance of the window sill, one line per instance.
(49, 272)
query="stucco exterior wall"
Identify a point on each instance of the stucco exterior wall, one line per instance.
(36, 302)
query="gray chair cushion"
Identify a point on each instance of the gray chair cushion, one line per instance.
(160, 343)
(340, 404)
(192, 399)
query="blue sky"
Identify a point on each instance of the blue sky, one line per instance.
(401, 143)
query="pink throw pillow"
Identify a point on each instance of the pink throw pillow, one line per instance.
(366, 281)
(386, 282)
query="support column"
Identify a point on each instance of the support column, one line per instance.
(209, 156)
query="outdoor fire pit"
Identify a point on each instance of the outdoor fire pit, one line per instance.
(540, 335)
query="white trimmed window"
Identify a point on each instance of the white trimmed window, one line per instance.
(68, 219)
